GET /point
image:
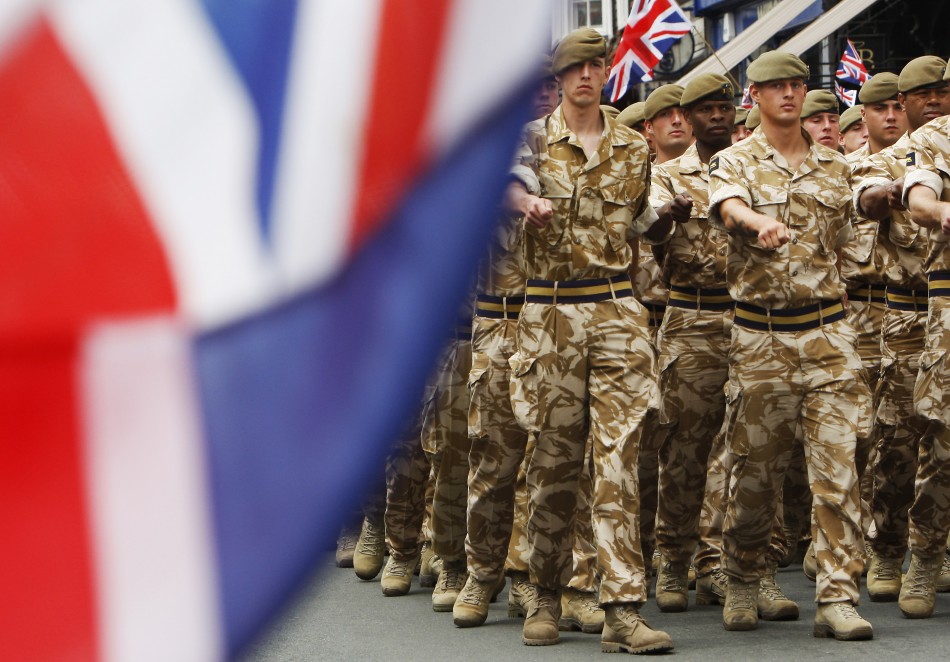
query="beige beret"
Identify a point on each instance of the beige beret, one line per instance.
(707, 86)
(773, 65)
(849, 118)
(610, 110)
(819, 101)
(661, 98)
(925, 71)
(579, 46)
(754, 119)
(741, 114)
(880, 87)
(632, 115)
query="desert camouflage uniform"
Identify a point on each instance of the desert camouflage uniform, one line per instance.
(652, 293)
(498, 443)
(928, 163)
(445, 438)
(904, 328)
(584, 366)
(779, 379)
(407, 474)
(693, 345)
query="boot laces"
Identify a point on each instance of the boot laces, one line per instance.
(474, 593)
(720, 579)
(887, 569)
(450, 578)
(398, 568)
(525, 589)
(741, 597)
(346, 543)
(846, 610)
(371, 539)
(920, 579)
(629, 615)
(545, 599)
(673, 582)
(770, 588)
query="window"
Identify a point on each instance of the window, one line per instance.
(586, 13)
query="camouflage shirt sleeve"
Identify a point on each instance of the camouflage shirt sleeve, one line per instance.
(525, 166)
(726, 180)
(922, 164)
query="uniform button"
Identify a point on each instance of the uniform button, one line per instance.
(722, 251)
(794, 273)
(588, 193)
(795, 241)
(577, 241)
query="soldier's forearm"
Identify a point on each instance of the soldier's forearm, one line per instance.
(516, 198)
(873, 203)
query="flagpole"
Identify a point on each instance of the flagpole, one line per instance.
(716, 55)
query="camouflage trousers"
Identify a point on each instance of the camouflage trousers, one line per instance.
(445, 436)
(693, 349)
(584, 367)
(867, 318)
(497, 448)
(648, 479)
(407, 474)
(778, 381)
(895, 462)
(930, 512)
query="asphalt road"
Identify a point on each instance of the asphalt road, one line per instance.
(338, 617)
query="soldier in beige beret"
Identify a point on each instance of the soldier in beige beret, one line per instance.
(785, 203)
(666, 124)
(754, 118)
(820, 118)
(882, 112)
(632, 116)
(854, 132)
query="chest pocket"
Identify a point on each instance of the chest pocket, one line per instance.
(771, 201)
(560, 192)
(831, 205)
(617, 210)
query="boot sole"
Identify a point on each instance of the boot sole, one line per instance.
(916, 615)
(394, 592)
(540, 642)
(571, 625)
(740, 627)
(443, 608)
(673, 608)
(469, 623)
(779, 616)
(828, 632)
(366, 577)
(884, 597)
(612, 647)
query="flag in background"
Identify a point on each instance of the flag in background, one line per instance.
(747, 101)
(233, 237)
(652, 28)
(850, 75)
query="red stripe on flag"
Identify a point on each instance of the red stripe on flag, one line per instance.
(75, 244)
(407, 63)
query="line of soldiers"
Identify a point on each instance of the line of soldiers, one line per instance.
(700, 333)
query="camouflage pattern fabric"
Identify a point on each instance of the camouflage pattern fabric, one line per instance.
(407, 472)
(579, 367)
(781, 380)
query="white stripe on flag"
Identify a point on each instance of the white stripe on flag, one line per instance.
(491, 48)
(184, 127)
(152, 544)
(331, 79)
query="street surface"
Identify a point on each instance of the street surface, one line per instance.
(338, 617)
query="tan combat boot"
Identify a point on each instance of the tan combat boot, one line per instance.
(370, 550)
(810, 563)
(884, 579)
(540, 623)
(580, 611)
(711, 588)
(919, 592)
(672, 594)
(429, 566)
(625, 631)
(772, 603)
(943, 579)
(447, 588)
(841, 621)
(471, 607)
(521, 596)
(740, 611)
(397, 577)
(346, 547)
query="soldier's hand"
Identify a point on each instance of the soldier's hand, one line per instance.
(895, 193)
(773, 234)
(943, 211)
(680, 208)
(538, 211)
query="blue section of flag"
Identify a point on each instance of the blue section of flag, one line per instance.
(301, 402)
(258, 36)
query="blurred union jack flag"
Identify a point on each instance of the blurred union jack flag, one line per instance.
(652, 28)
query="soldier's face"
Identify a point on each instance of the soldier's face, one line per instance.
(712, 121)
(780, 100)
(823, 128)
(886, 121)
(669, 129)
(923, 105)
(583, 83)
(854, 138)
(740, 132)
(545, 99)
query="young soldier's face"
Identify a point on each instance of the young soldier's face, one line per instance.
(740, 132)
(780, 100)
(885, 121)
(823, 128)
(669, 129)
(545, 98)
(582, 84)
(712, 121)
(854, 138)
